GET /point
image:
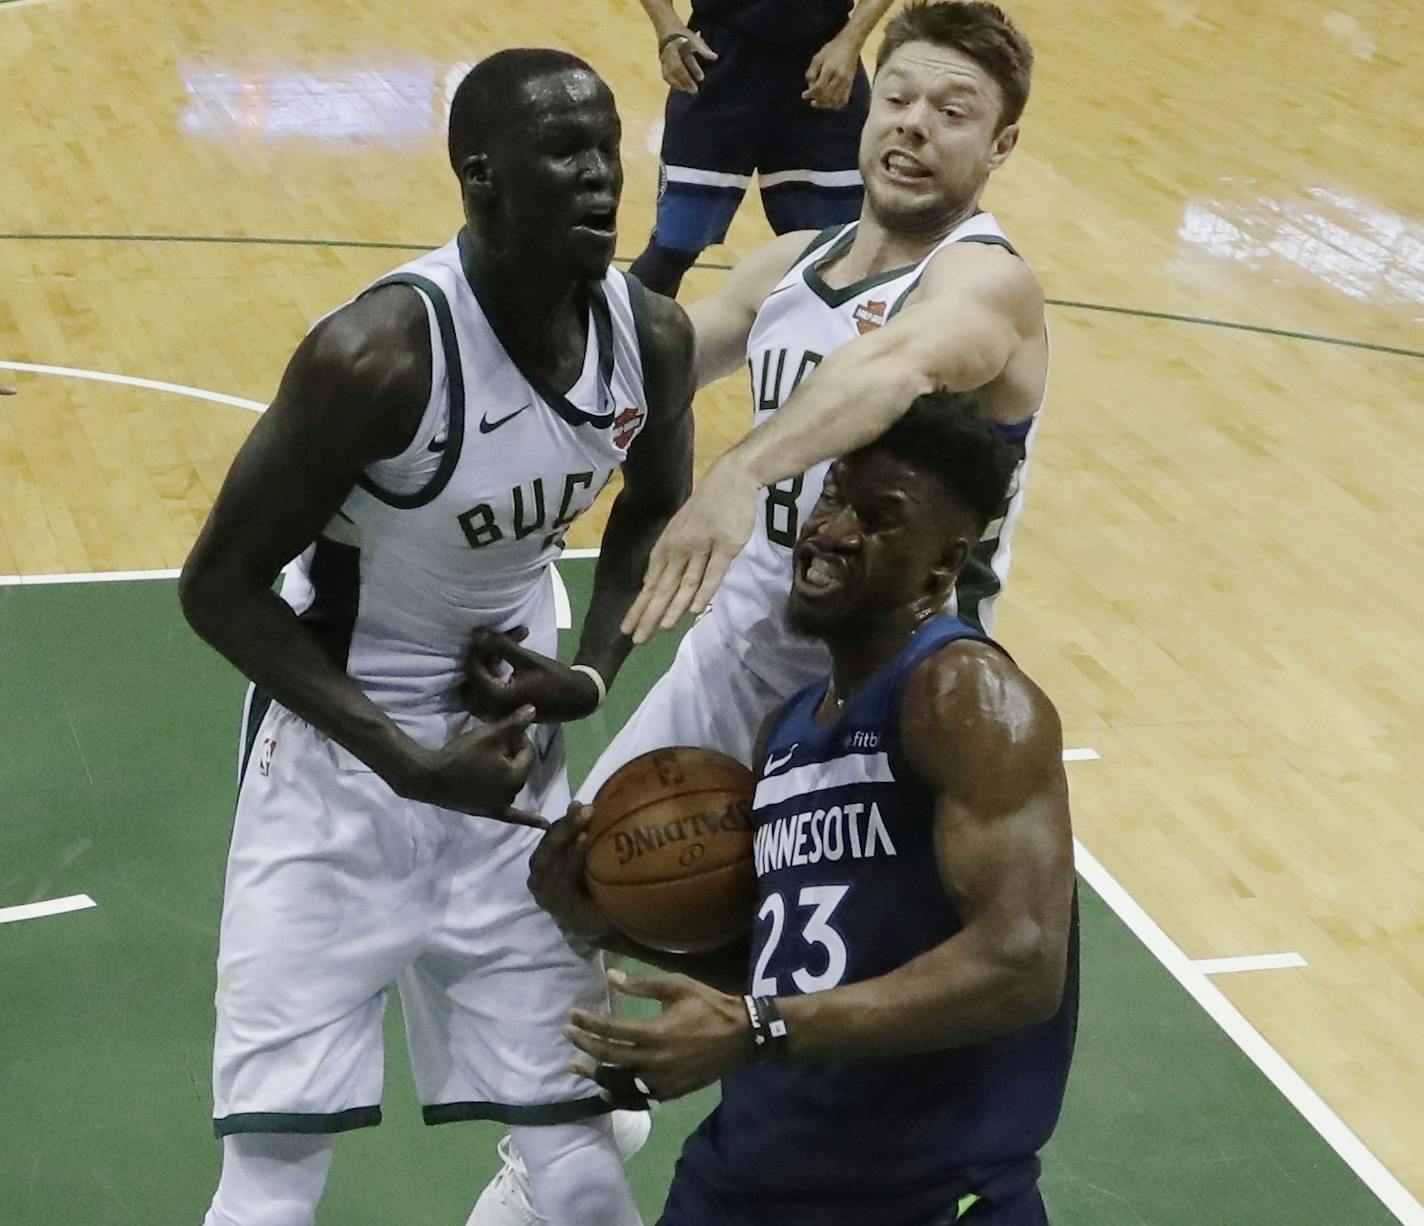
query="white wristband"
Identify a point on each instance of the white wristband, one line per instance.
(598, 680)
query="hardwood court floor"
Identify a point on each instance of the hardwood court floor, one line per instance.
(1218, 570)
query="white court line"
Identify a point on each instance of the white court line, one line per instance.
(153, 385)
(1081, 755)
(53, 906)
(1248, 962)
(1336, 1133)
(100, 576)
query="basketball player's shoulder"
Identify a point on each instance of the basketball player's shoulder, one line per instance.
(380, 338)
(995, 715)
(371, 360)
(987, 269)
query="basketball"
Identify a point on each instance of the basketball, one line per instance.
(670, 850)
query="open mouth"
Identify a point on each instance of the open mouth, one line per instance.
(602, 222)
(817, 574)
(902, 168)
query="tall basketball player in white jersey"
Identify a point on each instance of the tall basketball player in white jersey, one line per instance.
(841, 331)
(430, 444)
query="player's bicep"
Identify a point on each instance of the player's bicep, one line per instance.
(1010, 875)
(989, 744)
(968, 317)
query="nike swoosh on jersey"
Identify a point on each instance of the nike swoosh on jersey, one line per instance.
(774, 764)
(486, 425)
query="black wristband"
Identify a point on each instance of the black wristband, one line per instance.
(667, 39)
(768, 1028)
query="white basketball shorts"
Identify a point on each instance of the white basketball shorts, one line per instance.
(336, 890)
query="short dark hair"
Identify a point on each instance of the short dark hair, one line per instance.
(482, 103)
(977, 29)
(945, 436)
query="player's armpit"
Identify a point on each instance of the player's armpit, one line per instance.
(723, 320)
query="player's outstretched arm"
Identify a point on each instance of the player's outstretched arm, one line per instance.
(657, 476)
(988, 742)
(975, 307)
(354, 392)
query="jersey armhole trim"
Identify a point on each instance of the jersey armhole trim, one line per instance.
(823, 237)
(455, 400)
(990, 240)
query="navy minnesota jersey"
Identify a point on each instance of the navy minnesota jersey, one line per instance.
(849, 890)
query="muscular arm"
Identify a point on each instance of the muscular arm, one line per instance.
(988, 742)
(976, 308)
(723, 320)
(977, 305)
(353, 393)
(656, 479)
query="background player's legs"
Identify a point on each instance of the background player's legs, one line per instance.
(706, 699)
(809, 172)
(270, 1179)
(707, 160)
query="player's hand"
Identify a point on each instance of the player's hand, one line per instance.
(700, 1036)
(479, 771)
(831, 75)
(694, 551)
(501, 676)
(680, 49)
(556, 876)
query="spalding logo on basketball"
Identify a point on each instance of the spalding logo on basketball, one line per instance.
(670, 849)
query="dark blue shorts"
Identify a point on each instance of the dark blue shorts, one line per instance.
(691, 1202)
(748, 117)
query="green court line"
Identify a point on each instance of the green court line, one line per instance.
(1200, 321)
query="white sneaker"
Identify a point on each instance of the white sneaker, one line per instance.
(506, 1200)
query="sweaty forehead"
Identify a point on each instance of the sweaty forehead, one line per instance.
(568, 92)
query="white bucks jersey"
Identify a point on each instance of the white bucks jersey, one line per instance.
(460, 530)
(801, 321)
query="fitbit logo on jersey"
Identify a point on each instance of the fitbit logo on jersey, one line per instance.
(630, 844)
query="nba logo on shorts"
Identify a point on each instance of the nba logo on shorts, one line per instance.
(264, 761)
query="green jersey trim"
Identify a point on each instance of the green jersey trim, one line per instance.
(455, 401)
(298, 1121)
(597, 303)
